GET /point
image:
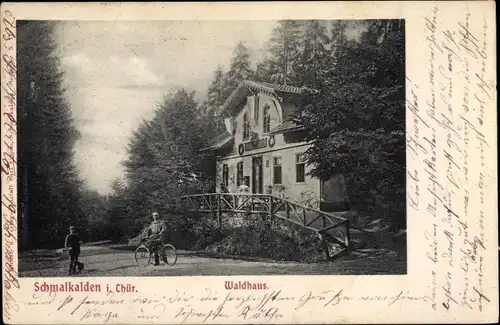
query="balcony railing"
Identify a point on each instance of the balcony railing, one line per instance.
(331, 229)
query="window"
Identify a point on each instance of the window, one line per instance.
(246, 127)
(277, 170)
(300, 168)
(267, 119)
(256, 109)
(239, 173)
(225, 175)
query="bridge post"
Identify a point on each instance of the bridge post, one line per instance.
(325, 248)
(219, 213)
(347, 235)
(271, 214)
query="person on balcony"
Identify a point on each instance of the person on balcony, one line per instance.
(224, 198)
(223, 188)
(243, 189)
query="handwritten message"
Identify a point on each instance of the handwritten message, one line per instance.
(209, 307)
(447, 137)
(9, 177)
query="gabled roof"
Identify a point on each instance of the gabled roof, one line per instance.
(269, 87)
(219, 141)
(286, 126)
(246, 86)
(244, 89)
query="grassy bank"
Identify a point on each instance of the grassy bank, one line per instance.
(260, 238)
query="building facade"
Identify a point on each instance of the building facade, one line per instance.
(263, 146)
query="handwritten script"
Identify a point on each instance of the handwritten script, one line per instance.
(448, 138)
(9, 179)
(209, 307)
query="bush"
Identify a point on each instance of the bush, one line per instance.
(203, 233)
(270, 240)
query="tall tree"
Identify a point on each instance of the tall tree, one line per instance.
(118, 221)
(118, 186)
(339, 33)
(215, 95)
(267, 71)
(210, 111)
(94, 207)
(357, 121)
(284, 50)
(239, 69)
(163, 154)
(314, 53)
(47, 136)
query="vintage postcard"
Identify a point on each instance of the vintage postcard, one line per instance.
(249, 163)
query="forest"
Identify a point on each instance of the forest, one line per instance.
(355, 120)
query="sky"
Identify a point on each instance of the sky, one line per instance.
(116, 72)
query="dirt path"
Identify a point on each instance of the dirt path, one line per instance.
(111, 262)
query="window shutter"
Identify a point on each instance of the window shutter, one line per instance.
(256, 110)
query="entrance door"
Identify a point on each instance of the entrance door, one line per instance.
(257, 175)
(225, 175)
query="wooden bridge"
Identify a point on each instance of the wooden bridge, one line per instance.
(332, 230)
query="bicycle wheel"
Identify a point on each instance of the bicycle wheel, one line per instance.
(142, 256)
(169, 254)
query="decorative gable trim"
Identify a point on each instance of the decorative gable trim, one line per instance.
(246, 87)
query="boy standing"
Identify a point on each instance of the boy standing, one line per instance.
(72, 244)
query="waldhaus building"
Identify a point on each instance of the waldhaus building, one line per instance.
(263, 145)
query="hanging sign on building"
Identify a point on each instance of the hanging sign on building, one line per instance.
(253, 145)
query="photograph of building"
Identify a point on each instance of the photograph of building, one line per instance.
(263, 145)
(277, 143)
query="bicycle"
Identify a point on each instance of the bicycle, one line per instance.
(144, 255)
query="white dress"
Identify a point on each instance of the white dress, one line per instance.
(242, 189)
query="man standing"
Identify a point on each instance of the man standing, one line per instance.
(223, 188)
(155, 233)
(72, 244)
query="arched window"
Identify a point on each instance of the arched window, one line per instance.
(246, 127)
(267, 120)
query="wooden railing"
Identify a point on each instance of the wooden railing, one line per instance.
(330, 228)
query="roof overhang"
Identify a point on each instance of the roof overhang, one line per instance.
(286, 127)
(248, 87)
(219, 143)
